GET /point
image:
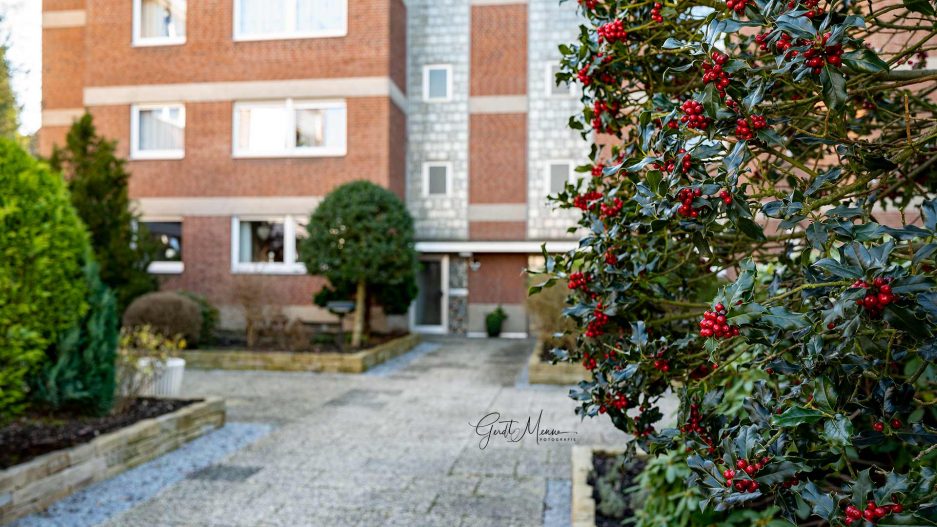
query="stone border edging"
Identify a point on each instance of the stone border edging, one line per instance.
(564, 373)
(583, 506)
(357, 362)
(34, 485)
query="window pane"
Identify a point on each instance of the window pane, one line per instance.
(437, 179)
(320, 127)
(162, 18)
(320, 15)
(168, 237)
(559, 176)
(563, 88)
(438, 83)
(260, 17)
(162, 129)
(261, 242)
(262, 129)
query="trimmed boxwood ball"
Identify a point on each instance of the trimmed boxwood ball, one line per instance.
(43, 248)
(169, 313)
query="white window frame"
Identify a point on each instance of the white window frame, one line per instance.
(135, 152)
(290, 264)
(165, 266)
(291, 106)
(426, 168)
(548, 172)
(140, 41)
(291, 21)
(426, 70)
(551, 83)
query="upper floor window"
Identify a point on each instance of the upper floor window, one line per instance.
(437, 83)
(559, 173)
(158, 22)
(278, 19)
(564, 89)
(289, 128)
(157, 131)
(436, 178)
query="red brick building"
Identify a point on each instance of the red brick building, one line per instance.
(238, 116)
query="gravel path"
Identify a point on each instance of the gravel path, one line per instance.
(393, 447)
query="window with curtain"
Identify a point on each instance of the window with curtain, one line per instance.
(268, 245)
(559, 176)
(290, 18)
(160, 21)
(158, 131)
(261, 242)
(290, 128)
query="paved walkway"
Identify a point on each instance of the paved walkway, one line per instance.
(393, 448)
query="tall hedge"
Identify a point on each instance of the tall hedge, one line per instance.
(42, 287)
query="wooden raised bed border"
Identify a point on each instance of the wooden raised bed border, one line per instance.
(34, 485)
(357, 362)
(564, 373)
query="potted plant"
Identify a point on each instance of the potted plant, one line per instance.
(148, 363)
(494, 321)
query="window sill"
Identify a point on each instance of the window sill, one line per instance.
(269, 269)
(337, 33)
(157, 156)
(157, 42)
(166, 268)
(289, 155)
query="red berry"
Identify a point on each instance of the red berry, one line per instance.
(878, 427)
(896, 423)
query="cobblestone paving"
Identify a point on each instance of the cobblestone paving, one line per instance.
(389, 449)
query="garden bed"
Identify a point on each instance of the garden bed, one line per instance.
(332, 362)
(590, 463)
(100, 449)
(541, 371)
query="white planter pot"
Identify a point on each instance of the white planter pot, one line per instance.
(167, 381)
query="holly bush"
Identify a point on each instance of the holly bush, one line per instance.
(760, 197)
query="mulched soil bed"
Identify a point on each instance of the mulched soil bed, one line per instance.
(602, 465)
(31, 436)
(235, 341)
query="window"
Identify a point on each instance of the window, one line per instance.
(565, 89)
(167, 238)
(280, 19)
(157, 131)
(436, 179)
(158, 22)
(267, 245)
(437, 83)
(559, 173)
(289, 128)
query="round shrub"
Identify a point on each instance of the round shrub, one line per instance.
(168, 313)
(43, 247)
(210, 316)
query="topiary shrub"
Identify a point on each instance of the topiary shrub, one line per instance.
(494, 321)
(169, 313)
(79, 373)
(761, 198)
(210, 316)
(362, 235)
(43, 291)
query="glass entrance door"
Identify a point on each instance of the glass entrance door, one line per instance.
(429, 312)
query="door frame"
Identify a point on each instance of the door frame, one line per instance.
(443, 327)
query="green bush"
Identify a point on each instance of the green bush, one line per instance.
(43, 291)
(168, 313)
(494, 321)
(210, 316)
(79, 373)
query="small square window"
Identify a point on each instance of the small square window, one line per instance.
(157, 132)
(564, 89)
(261, 242)
(437, 179)
(437, 83)
(559, 175)
(267, 245)
(159, 22)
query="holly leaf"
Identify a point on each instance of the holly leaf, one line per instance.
(710, 101)
(920, 6)
(797, 26)
(796, 416)
(834, 88)
(821, 504)
(929, 211)
(839, 269)
(838, 431)
(924, 253)
(861, 489)
(780, 317)
(904, 319)
(825, 394)
(750, 229)
(864, 61)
